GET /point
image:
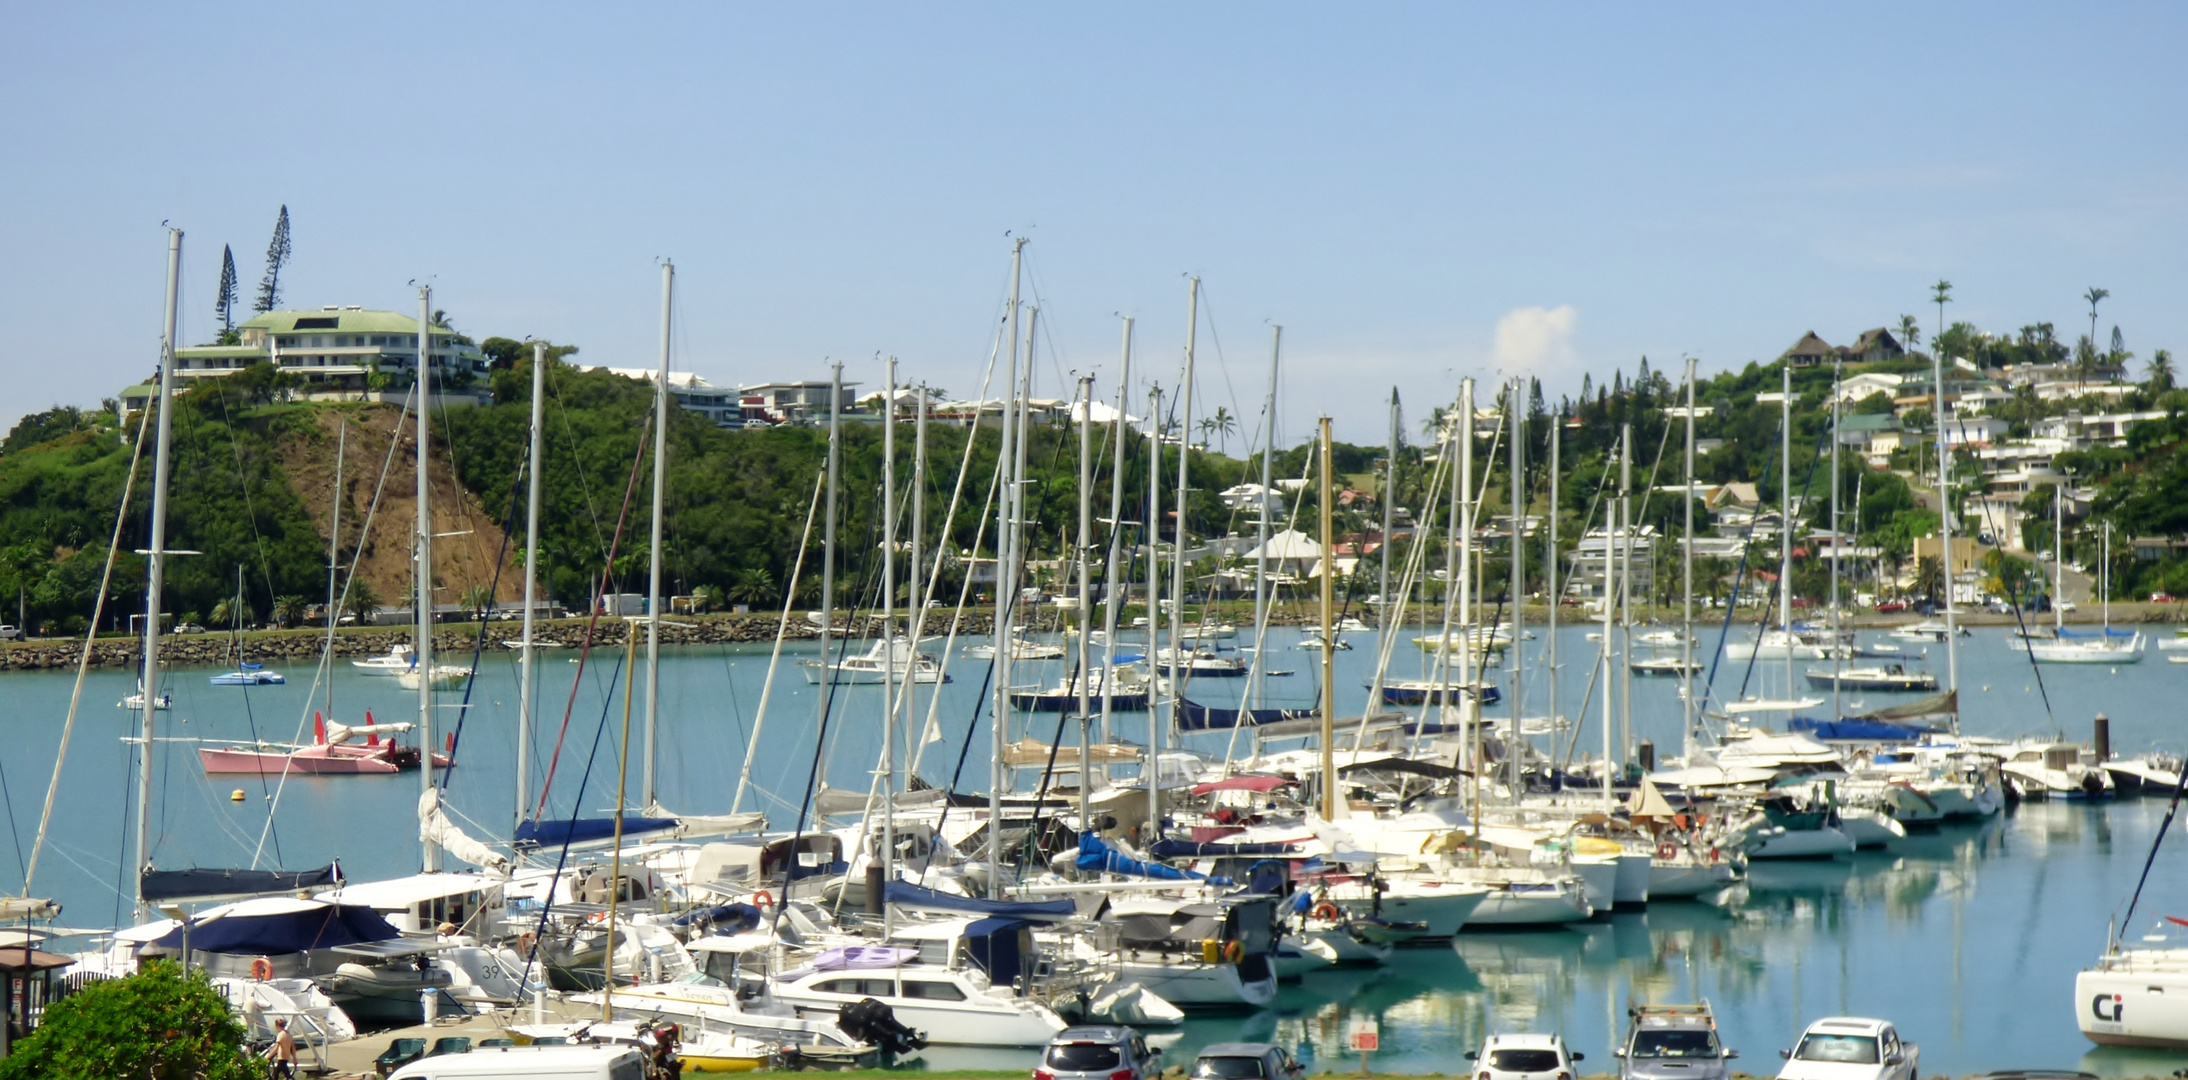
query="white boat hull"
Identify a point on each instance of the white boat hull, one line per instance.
(1820, 843)
(1443, 908)
(2134, 1000)
(1684, 881)
(1194, 985)
(1870, 828)
(1532, 905)
(1598, 876)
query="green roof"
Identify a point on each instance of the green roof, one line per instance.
(347, 320)
(1869, 422)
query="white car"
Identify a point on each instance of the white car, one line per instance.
(1851, 1048)
(1524, 1057)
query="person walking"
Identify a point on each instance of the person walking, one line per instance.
(281, 1056)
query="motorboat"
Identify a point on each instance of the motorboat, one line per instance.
(332, 754)
(959, 1004)
(249, 675)
(1663, 666)
(1194, 953)
(1440, 908)
(2055, 770)
(443, 677)
(1662, 638)
(380, 982)
(2179, 640)
(2126, 999)
(2154, 773)
(135, 701)
(398, 659)
(1473, 639)
(1210, 630)
(1931, 630)
(1126, 687)
(894, 660)
(1439, 692)
(1021, 648)
(313, 1017)
(1881, 677)
(1799, 643)
(1313, 640)
(1200, 663)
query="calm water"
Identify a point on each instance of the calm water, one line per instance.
(1968, 938)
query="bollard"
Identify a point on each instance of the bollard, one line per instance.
(874, 900)
(1645, 752)
(2101, 738)
(425, 1004)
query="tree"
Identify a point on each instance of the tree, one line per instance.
(288, 610)
(1224, 424)
(2160, 377)
(224, 295)
(1929, 577)
(1941, 295)
(707, 597)
(277, 256)
(2094, 296)
(753, 586)
(158, 1022)
(1910, 332)
(477, 599)
(44, 427)
(363, 601)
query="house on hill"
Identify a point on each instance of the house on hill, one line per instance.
(1872, 346)
(1809, 351)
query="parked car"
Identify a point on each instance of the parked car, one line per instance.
(1889, 607)
(1672, 1042)
(1246, 1061)
(2161, 598)
(10, 633)
(1101, 1052)
(1851, 1048)
(187, 628)
(1523, 1057)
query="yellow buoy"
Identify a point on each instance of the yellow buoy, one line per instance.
(236, 795)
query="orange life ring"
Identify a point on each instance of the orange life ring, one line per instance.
(262, 969)
(1327, 912)
(1233, 952)
(763, 898)
(1667, 850)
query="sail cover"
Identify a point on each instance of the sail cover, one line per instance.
(1193, 716)
(1188, 849)
(908, 895)
(435, 828)
(555, 832)
(223, 883)
(1945, 704)
(280, 925)
(1094, 855)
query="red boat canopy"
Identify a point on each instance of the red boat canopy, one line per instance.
(1246, 782)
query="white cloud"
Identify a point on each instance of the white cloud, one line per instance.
(1535, 341)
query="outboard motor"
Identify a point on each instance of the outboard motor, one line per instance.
(870, 1021)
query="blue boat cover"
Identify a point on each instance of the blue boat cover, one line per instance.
(1096, 856)
(1193, 716)
(1001, 948)
(315, 926)
(1187, 849)
(555, 832)
(917, 896)
(205, 883)
(1856, 729)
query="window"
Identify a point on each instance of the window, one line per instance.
(1845, 1049)
(318, 323)
(933, 991)
(1674, 1044)
(1523, 1060)
(1083, 1057)
(1229, 1068)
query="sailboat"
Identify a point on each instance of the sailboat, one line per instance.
(332, 752)
(2071, 647)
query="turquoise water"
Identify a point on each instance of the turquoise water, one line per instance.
(1968, 938)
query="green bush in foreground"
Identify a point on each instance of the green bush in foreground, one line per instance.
(159, 1023)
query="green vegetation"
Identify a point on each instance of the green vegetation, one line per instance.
(156, 1023)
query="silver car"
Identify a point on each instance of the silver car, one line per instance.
(1104, 1052)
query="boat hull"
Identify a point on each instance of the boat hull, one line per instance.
(2133, 1004)
(310, 761)
(1684, 881)
(1531, 905)
(1441, 909)
(1820, 843)
(1193, 985)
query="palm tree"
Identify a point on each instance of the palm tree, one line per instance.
(288, 610)
(753, 586)
(1941, 295)
(707, 597)
(224, 613)
(1225, 425)
(1929, 577)
(477, 599)
(2160, 371)
(2094, 295)
(1910, 332)
(363, 601)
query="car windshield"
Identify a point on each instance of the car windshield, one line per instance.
(1229, 1068)
(1847, 1049)
(1523, 1060)
(1083, 1057)
(1674, 1044)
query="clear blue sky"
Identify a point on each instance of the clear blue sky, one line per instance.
(1390, 182)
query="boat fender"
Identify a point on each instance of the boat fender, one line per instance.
(1667, 851)
(597, 917)
(763, 898)
(1327, 912)
(1713, 855)
(1233, 952)
(1211, 950)
(262, 969)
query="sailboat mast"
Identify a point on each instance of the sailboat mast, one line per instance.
(915, 605)
(422, 652)
(334, 554)
(1154, 618)
(1686, 603)
(1383, 628)
(1785, 516)
(527, 685)
(1114, 589)
(1005, 535)
(1329, 644)
(1261, 559)
(156, 571)
(1838, 376)
(1458, 568)
(1944, 517)
(1603, 656)
(1517, 587)
(649, 796)
(891, 687)
(1625, 592)
(1549, 572)
(1084, 548)
(829, 671)
(2058, 561)
(1181, 663)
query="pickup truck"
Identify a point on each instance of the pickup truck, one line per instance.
(10, 633)
(1851, 1048)
(1672, 1042)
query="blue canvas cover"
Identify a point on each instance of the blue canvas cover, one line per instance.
(916, 896)
(1094, 855)
(307, 925)
(555, 832)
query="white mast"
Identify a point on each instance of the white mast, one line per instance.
(1459, 567)
(1625, 592)
(1085, 546)
(1261, 561)
(2058, 560)
(1944, 515)
(1180, 659)
(1686, 617)
(891, 688)
(1154, 618)
(1549, 568)
(829, 670)
(1610, 596)
(156, 569)
(422, 654)
(1517, 585)
(334, 555)
(915, 619)
(1329, 642)
(1383, 629)
(1005, 588)
(1838, 374)
(1785, 517)
(1114, 589)
(527, 685)
(653, 557)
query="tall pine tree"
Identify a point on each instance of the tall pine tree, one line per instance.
(277, 256)
(224, 298)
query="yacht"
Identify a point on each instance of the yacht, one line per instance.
(2071, 648)
(929, 977)
(443, 677)
(894, 659)
(1883, 677)
(398, 659)
(1196, 953)
(2055, 770)
(1126, 685)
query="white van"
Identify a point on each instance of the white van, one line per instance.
(531, 1063)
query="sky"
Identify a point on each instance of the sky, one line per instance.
(1415, 192)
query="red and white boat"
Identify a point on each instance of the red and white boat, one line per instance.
(332, 754)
